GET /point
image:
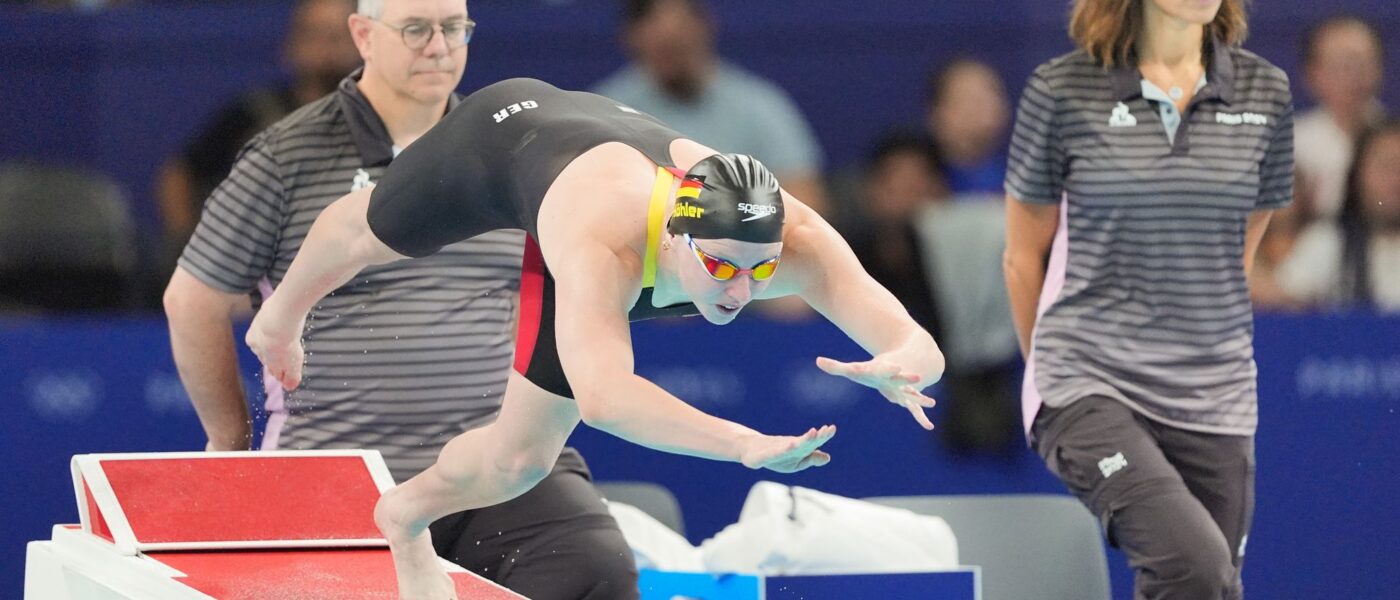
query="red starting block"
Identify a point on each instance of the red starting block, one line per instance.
(226, 526)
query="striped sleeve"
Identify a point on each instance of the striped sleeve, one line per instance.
(1276, 169)
(234, 245)
(1035, 165)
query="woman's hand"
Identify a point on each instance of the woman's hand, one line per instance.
(277, 342)
(787, 454)
(889, 378)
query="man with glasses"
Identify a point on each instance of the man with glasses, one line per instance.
(404, 356)
(626, 220)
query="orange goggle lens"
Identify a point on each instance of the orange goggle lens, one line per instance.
(765, 270)
(724, 270)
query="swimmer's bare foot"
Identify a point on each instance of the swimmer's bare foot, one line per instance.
(420, 575)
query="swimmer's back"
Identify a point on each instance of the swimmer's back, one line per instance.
(489, 163)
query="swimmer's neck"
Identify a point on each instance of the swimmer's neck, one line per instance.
(667, 291)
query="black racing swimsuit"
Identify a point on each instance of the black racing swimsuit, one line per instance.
(487, 166)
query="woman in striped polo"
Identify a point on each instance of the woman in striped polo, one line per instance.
(1143, 170)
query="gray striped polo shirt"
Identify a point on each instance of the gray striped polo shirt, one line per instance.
(403, 357)
(1145, 298)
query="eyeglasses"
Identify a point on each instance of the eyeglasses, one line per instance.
(723, 270)
(418, 34)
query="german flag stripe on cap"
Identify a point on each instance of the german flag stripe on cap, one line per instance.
(690, 188)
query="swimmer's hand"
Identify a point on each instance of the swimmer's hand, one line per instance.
(893, 382)
(788, 454)
(278, 346)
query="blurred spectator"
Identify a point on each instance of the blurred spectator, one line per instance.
(1342, 67)
(903, 178)
(941, 260)
(967, 115)
(1355, 261)
(676, 76)
(319, 51)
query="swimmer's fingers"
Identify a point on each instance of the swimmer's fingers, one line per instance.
(283, 365)
(801, 446)
(291, 373)
(837, 368)
(876, 373)
(278, 347)
(920, 416)
(895, 384)
(910, 396)
(786, 454)
(859, 372)
(290, 378)
(817, 458)
(855, 371)
(912, 400)
(805, 454)
(814, 438)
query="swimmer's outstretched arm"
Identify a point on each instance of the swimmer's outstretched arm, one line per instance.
(338, 246)
(595, 348)
(819, 266)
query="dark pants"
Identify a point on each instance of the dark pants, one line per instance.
(555, 542)
(1178, 502)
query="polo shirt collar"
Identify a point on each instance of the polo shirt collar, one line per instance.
(1126, 80)
(371, 137)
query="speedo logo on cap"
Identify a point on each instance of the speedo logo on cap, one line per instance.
(758, 211)
(686, 209)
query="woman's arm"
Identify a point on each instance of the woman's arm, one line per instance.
(1030, 231)
(595, 349)
(339, 245)
(820, 267)
(1253, 234)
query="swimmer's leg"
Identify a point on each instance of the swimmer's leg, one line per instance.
(478, 468)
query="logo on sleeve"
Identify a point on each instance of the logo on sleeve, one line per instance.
(1122, 117)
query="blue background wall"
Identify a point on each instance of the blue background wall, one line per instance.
(120, 91)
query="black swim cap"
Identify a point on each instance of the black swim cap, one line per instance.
(729, 196)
